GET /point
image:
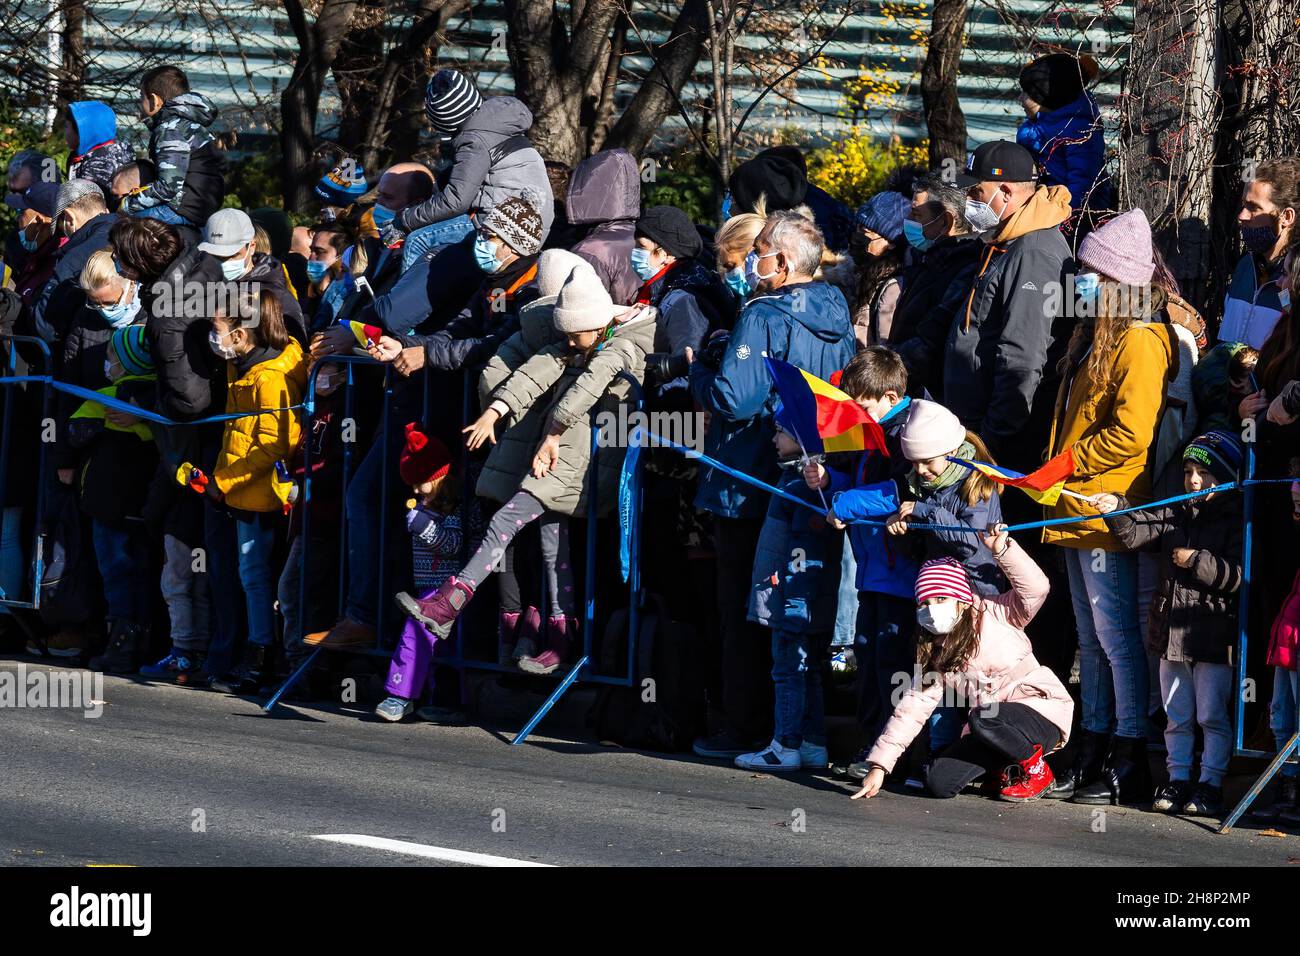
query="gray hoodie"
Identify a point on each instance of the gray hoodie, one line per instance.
(478, 183)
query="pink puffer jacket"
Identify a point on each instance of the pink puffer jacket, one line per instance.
(1003, 669)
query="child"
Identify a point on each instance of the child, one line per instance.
(190, 185)
(796, 584)
(1193, 619)
(976, 648)
(876, 379)
(436, 538)
(265, 372)
(580, 372)
(118, 461)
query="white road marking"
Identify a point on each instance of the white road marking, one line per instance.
(424, 850)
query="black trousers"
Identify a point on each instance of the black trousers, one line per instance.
(1000, 735)
(748, 697)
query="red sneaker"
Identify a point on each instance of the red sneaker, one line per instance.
(1027, 779)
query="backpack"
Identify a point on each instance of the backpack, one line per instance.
(69, 582)
(666, 655)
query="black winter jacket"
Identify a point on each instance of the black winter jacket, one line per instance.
(933, 292)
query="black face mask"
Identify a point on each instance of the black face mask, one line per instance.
(1259, 239)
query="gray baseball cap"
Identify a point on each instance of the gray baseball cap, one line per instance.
(74, 190)
(227, 231)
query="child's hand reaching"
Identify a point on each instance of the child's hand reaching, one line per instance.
(815, 475)
(997, 539)
(484, 429)
(1183, 557)
(897, 522)
(871, 784)
(548, 453)
(834, 521)
(385, 350)
(1105, 503)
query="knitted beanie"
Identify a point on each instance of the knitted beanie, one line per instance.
(518, 221)
(554, 266)
(883, 214)
(133, 351)
(931, 431)
(1121, 249)
(449, 99)
(583, 304)
(1054, 80)
(671, 229)
(781, 181)
(424, 457)
(343, 185)
(944, 578)
(1220, 451)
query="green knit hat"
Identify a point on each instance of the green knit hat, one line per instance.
(132, 348)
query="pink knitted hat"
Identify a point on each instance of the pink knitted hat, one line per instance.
(1121, 249)
(944, 577)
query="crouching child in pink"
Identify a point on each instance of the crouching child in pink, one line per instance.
(975, 647)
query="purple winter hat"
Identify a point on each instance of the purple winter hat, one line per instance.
(1121, 249)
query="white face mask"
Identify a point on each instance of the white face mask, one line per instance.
(980, 216)
(225, 351)
(938, 618)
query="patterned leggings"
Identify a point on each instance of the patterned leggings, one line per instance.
(493, 553)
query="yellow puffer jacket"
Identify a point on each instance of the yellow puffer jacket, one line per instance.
(1112, 433)
(251, 446)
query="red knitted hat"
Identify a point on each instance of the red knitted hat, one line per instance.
(943, 577)
(424, 458)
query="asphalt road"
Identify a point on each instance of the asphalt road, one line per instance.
(170, 776)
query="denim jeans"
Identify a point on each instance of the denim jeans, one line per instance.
(163, 214)
(1282, 712)
(255, 537)
(1114, 682)
(846, 604)
(123, 561)
(186, 592)
(11, 556)
(1197, 694)
(797, 661)
(228, 601)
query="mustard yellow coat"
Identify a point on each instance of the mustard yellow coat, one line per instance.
(251, 446)
(1112, 432)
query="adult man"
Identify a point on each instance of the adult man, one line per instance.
(798, 320)
(1267, 220)
(228, 238)
(81, 214)
(999, 364)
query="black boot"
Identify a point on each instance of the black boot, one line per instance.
(1126, 777)
(247, 677)
(1086, 769)
(126, 641)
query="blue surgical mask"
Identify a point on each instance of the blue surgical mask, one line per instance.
(28, 244)
(120, 315)
(485, 254)
(1284, 299)
(382, 215)
(915, 234)
(737, 283)
(641, 264)
(1086, 286)
(232, 269)
(726, 207)
(752, 275)
(316, 270)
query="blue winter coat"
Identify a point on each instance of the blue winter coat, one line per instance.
(886, 565)
(796, 575)
(1069, 145)
(806, 325)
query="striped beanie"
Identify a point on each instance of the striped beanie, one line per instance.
(449, 99)
(943, 578)
(1219, 451)
(133, 351)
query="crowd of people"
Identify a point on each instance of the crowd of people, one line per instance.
(460, 325)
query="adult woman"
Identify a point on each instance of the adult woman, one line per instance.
(1107, 413)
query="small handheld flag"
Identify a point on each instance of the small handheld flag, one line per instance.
(366, 335)
(1045, 484)
(821, 417)
(192, 477)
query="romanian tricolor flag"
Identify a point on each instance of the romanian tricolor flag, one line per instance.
(365, 334)
(1044, 484)
(821, 417)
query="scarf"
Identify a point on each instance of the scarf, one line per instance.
(952, 475)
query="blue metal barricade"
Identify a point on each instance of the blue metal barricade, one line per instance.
(10, 379)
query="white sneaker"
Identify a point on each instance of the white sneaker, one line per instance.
(775, 759)
(813, 757)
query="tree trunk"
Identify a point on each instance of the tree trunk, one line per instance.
(73, 77)
(943, 114)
